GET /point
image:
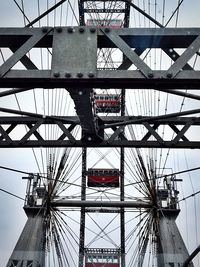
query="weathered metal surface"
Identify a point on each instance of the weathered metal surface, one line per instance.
(104, 79)
(179, 125)
(88, 203)
(30, 250)
(74, 53)
(74, 59)
(171, 249)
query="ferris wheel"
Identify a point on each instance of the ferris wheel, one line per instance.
(99, 95)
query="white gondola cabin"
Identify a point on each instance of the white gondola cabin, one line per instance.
(100, 257)
(107, 103)
(103, 178)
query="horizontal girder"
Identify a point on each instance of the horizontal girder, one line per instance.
(103, 79)
(103, 10)
(79, 143)
(88, 203)
(135, 37)
(78, 68)
(35, 134)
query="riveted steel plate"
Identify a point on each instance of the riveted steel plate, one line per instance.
(74, 53)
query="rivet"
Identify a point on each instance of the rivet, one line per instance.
(56, 74)
(169, 75)
(92, 30)
(44, 29)
(67, 75)
(150, 75)
(89, 138)
(70, 30)
(107, 30)
(90, 74)
(79, 75)
(59, 29)
(81, 30)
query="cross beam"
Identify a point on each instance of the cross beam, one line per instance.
(74, 58)
(88, 203)
(35, 136)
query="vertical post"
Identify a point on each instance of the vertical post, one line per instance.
(171, 247)
(83, 197)
(122, 219)
(30, 248)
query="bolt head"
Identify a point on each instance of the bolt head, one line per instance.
(56, 74)
(79, 75)
(81, 30)
(67, 75)
(59, 30)
(107, 30)
(44, 29)
(92, 30)
(90, 74)
(150, 75)
(169, 75)
(70, 30)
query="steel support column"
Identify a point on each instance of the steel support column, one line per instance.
(30, 248)
(122, 214)
(82, 218)
(171, 247)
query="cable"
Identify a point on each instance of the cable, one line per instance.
(11, 194)
(14, 170)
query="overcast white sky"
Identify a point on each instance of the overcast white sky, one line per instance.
(12, 216)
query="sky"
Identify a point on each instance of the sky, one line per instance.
(12, 217)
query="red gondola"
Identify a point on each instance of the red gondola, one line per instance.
(103, 177)
(107, 103)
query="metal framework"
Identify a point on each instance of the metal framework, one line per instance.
(78, 69)
(78, 72)
(34, 137)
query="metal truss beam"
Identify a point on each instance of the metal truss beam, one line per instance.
(103, 10)
(114, 204)
(35, 135)
(79, 66)
(85, 9)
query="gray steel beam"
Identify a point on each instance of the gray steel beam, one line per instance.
(134, 37)
(21, 52)
(181, 93)
(103, 79)
(103, 204)
(117, 139)
(116, 143)
(30, 248)
(34, 118)
(80, 71)
(103, 10)
(171, 247)
(191, 257)
(82, 99)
